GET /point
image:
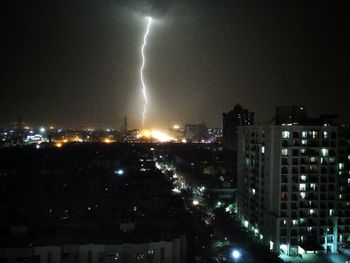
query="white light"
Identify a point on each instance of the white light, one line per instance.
(119, 172)
(141, 70)
(42, 129)
(195, 202)
(246, 223)
(236, 254)
(176, 190)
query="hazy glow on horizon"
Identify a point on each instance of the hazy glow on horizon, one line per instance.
(156, 135)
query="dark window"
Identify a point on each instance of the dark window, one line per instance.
(49, 257)
(162, 254)
(295, 134)
(89, 256)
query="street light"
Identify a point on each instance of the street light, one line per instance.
(195, 202)
(119, 172)
(235, 254)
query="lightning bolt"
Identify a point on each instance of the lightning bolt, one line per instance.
(144, 87)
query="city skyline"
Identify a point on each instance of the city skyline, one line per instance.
(77, 63)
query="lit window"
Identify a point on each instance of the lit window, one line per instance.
(348, 157)
(302, 195)
(311, 211)
(325, 135)
(295, 222)
(303, 142)
(302, 187)
(314, 134)
(302, 220)
(246, 223)
(341, 166)
(262, 149)
(304, 134)
(303, 178)
(284, 152)
(285, 134)
(331, 212)
(324, 152)
(284, 222)
(309, 228)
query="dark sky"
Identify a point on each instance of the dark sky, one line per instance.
(76, 62)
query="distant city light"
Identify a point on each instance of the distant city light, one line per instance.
(42, 129)
(195, 202)
(58, 145)
(176, 190)
(156, 135)
(119, 172)
(176, 127)
(236, 254)
(107, 140)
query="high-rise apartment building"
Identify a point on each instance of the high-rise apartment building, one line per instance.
(196, 132)
(231, 121)
(294, 185)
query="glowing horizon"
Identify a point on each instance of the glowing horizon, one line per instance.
(157, 135)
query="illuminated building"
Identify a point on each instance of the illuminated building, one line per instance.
(196, 132)
(231, 121)
(215, 132)
(293, 185)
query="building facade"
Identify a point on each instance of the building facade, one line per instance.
(293, 185)
(196, 132)
(169, 251)
(231, 121)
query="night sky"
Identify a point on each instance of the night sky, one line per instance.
(75, 63)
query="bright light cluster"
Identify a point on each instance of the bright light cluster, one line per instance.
(156, 135)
